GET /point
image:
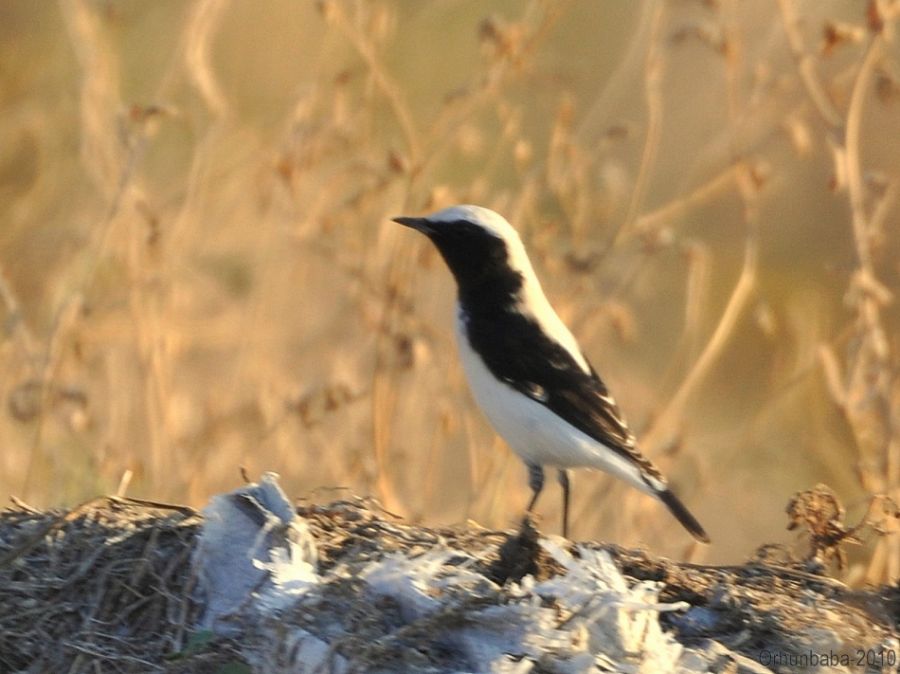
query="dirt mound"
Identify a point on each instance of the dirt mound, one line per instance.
(111, 586)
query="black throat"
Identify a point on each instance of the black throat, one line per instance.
(479, 262)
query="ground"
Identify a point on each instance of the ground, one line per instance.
(110, 586)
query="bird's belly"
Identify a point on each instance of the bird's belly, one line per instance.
(531, 430)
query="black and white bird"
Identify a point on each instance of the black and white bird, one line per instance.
(525, 368)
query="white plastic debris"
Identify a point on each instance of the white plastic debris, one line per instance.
(253, 548)
(622, 621)
(436, 611)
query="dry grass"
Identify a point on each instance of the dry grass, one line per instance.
(108, 582)
(197, 270)
(116, 585)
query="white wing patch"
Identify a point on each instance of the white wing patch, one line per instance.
(536, 392)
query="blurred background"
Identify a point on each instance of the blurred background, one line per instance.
(198, 272)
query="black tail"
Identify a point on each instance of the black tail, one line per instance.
(681, 513)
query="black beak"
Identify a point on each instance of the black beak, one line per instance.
(420, 224)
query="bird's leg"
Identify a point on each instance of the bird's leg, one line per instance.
(563, 476)
(536, 482)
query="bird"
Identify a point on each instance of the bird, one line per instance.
(526, 370)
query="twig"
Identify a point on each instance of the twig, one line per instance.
(685, 202)
(855, 186)
(383, 81)
(202, 23)
(806, 67)
(740, 296)
(653, 72)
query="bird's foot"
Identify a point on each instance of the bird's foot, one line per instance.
(518, 555)
(529, 527)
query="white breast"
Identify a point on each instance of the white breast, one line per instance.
(533, 431)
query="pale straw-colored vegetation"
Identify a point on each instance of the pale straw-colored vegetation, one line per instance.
(198, 272)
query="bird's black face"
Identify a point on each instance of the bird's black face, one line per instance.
(478, 259)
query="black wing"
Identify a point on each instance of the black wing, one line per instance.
(517, 351)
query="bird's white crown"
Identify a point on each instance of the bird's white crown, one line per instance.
(489, 220)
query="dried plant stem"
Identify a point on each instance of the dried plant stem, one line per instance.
(66, 318)
(855, 186)
(196, 55)
(806, 66)
(484, 90)
(653, 72)
(682, 204)
(17, 322)
(383, 81)
(623, 75)
(384, 386)
(201, 27)
(871, 367)
(384, 403)
(664, 424)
